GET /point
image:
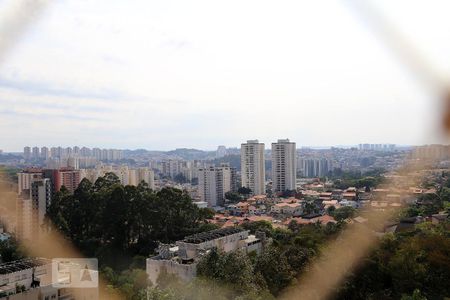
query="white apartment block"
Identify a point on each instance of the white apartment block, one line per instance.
(25, 178)
(314, 167)
(35, 153)
(182, 259)
(45, 153)
(253, 166)
(26, 152)
(284, 166)
(173, 167)
(213, 183)
(32, 206)
(127, 176)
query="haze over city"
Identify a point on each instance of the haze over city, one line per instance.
(199, 74)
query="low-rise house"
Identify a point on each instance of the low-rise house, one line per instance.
(346, 202)
(364, 196)
(312, 219)
(257, 199)
(290, 209)
(232, 209)
(253, 210)
(328, 203)
(325, 196)
(351, 196)
(310, 194)
(243, 207)
(336, 194)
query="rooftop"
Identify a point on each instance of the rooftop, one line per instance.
(23, 264)
(211, 235)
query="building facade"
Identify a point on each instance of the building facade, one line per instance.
(213, 183)
(284, 166)
(182, 259)
(32, 206)
(314, 167)
(253, 166)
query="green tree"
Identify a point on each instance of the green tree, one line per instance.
(416, 295)
(233, 269)
(233, 196)
(343, 213)
(273, 265)
(10, 250)
(244, 191)
(116, 222)
(263, 226)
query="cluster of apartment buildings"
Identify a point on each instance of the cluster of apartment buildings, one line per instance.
(215, 182)
(284, 167)
(36, 188)
(377, 147)
(314, 167)
(432, 152)
(35, 153)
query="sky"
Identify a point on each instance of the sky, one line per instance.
(169, 74)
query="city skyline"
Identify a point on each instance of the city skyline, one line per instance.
(213, 149)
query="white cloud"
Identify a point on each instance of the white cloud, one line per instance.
(169, 74)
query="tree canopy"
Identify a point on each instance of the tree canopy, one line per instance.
(111, 221)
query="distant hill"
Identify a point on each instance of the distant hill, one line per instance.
(190, 154)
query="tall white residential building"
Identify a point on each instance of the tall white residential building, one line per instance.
(97, 153)
(73, 162)
(45, 154)
(171, 167)
(32, 207)
(85, 151)
(25, 178)
(76, 151)
(146, 175)
(284, 166)
(253, 167)
(213, 183)
(124, 175)
(67, 152)
(35, 153)
(53, 152)
(26, 152)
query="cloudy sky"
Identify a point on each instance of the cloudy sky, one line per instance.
(167, 74)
